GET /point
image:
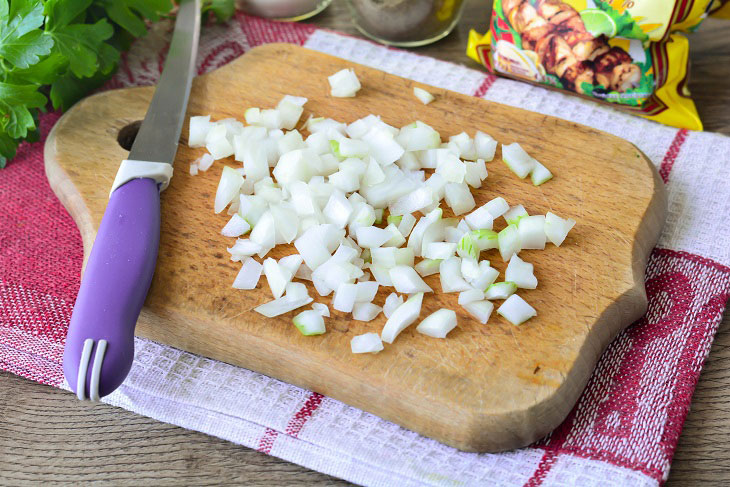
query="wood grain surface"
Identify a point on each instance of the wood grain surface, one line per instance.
(507, 386)
(37, 444)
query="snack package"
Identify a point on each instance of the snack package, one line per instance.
(624, 52)
(721, 9)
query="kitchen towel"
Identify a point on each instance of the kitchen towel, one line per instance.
(625, 426)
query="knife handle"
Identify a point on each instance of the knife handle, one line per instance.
(100, 342)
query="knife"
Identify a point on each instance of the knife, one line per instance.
(100, 342)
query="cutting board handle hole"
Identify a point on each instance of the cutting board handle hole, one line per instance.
(127, 134)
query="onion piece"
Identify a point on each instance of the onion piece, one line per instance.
(487, 275)
(497, 207)
(366, 343)
(470, 269)
(451, 168)
(406, 280)
(372, 237)
(288, 114)
(205, 161)
(438, 324)
(532, 232)
(309, 323)
(406, 224)
(500, 290)
(459, 198)
(428, 267)
(311, 246)
(365, 311)
(470, 296)
(344, 299)
(556, 228)
(466, 247)
(540, 174)
(515, 214)
(277, 276)
(264, 233)
(481, 310)
(402, 317)
(193, 169)
(199, 128)
(282, 305)
(296, 290)
(450, 274)
(480, 219)
(396, 239)
(244, 248)
(249, 275)
(521, 273)
(485, 146)
(391, 303)
(228, 188)
(338, 209)
(235, 227)
(365, 291)
(485, 239)
(439, 250)
(518, 161)
(516, 310)
(344, 83)
(381, 275)
(322, 309)
(291, 263)
(509, 242)
(424, 96)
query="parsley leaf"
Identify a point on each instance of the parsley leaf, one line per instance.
(15, 102)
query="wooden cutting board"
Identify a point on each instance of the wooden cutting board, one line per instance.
(486, 387)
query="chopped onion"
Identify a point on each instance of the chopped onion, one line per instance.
(365, 311)
(515, 214)
(485, 239)
(282, 305)
(381, 275)
(470, 296)
(193, 169)
(451, 168)
(424, 96)
(372, 237)
(205, 161)
(406, 224)
(365, 291)
(406, 280)
(296, 290)
(199, 128)
(402, 317)
(532, 232)
(244, 248)
(485, 146)
(249, 275)
(344, 298)
(470, 269)
(481, 310)
(540, 174)
(556, 228)
(459, 198)
(291, 263)
(428, 267)
(450, 274)
(466, 247)
(228, 188)
(344, 83)
(391, 303)
(366, 343)
(235, 227)
(338, 209)
(264, 233)
(487, 275)
(322, 309)
(277, 277)
(439, 250)
(509, 242)
(500, 290)
(516, 310)
(309, 323)
(480, 219)
(497, 207)
(517, 159)
(521, 273)
(438, 324)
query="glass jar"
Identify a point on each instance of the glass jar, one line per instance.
(406, 23)
(285, 10)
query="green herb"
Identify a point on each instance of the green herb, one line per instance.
(625, 24)
(62, 49)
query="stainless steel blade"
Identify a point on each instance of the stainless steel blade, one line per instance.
(159, 133)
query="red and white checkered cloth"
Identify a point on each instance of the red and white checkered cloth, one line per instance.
(622, 431)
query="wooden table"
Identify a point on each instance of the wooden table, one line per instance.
(47, 435)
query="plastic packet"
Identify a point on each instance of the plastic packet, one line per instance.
(628, 53)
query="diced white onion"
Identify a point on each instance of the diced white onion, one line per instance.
(556, 228)
(402, 317)
(391, 303)
(500, 290)
(282, 305)
(366, 343)
(450, 274)
(518, 161)
(516, 310)
(322, 309)
(424, 96)
(228, 188)
(470, 296)
(406, 280)
(235, 227)
(438, 324)
(521, 273)
(345, 296)
(249, 275)
(309, 323)
(481, 310)
(365, 311)
(344, 83)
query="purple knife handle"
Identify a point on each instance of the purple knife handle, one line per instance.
(114, 286)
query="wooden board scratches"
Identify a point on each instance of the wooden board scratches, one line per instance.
(485, 388)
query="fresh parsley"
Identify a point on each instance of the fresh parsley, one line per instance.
(62, 49)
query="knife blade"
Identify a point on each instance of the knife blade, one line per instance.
(100, 342)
